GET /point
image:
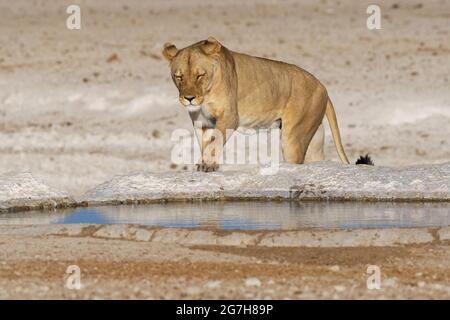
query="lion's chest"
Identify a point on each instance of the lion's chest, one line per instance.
(201, 118)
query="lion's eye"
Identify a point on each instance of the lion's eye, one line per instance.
(200, 76)
(178, 77)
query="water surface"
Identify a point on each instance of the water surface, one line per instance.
(250, 215)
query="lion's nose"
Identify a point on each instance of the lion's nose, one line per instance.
(189, 98)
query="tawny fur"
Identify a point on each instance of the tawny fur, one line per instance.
(236, 89)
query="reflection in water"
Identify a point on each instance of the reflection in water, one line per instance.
(86, 216)
(250, 215)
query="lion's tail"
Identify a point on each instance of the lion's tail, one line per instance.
(331, 117)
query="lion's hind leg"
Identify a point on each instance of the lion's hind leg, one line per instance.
(315, 151)
(301, 119)
(296, 135)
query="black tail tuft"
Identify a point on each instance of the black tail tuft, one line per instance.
(365, 160)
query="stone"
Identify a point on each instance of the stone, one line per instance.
(22, 191)
(252, 282)
(213, 284)
(335, 268)
(324, 180)
(444, 233)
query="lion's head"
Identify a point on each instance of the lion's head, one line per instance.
(192, 69)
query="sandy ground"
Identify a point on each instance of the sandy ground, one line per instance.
(34, 264)
(78, 107)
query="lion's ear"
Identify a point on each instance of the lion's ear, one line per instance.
(169, 51)
(211, 46)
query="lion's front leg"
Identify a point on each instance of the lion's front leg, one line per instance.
(212, 143)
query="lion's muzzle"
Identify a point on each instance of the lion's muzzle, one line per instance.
(187, 100)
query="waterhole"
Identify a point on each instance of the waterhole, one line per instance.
(249, 215)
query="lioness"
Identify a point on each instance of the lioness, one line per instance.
(223, 89)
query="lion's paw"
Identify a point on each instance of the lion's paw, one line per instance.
(207, 167)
